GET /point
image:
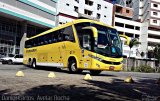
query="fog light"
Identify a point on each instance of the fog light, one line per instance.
(111, 68)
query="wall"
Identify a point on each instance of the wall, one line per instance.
(134, 63)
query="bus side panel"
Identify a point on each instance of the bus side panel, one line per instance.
(71, 49)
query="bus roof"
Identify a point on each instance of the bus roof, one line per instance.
(68, 24)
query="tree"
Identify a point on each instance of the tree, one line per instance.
(132, 43)
(157, 56)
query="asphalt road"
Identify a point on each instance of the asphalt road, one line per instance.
(35, 85)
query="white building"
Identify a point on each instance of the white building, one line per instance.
(125, 25)
(69, 9)
(148, 13)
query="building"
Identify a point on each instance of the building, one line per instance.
(70, 9)
(125, 25)
(124, 3)
(148, 13)
(24, 18)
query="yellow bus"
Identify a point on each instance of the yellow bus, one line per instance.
(79, 45)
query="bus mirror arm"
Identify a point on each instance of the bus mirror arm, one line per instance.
(127, 42)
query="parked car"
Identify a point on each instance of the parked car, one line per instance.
(1, 56)
(11, 59)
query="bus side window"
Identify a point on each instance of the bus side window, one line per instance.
(46, 39)
(41, 40)
(28, 44)
(57, 36)
(68, 34)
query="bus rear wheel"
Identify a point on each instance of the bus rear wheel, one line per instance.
(73, 66)
(33, 65)
(95, 72)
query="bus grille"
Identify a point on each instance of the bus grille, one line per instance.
(112, 63)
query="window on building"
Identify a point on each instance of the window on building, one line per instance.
(77, 1)
(136, 36)
(67, 4)
(119, 24)
(98, 6)
(88, 2)
(155, 5)
(105, 16)
(120, 32)
(98, 16)
(137, 28)
(155, 13)
(141, 7)
(105, 7)
(141, 0)
(75, 8)
(129, 26)
(129, 34)
(153, 36)
(127, 11)
(88, 12)
(154, 21)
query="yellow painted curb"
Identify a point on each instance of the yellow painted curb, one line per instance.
(88, 77)
(51, 75)
(20, 74)
(129, 80)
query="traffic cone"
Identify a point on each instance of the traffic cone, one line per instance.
(88, 77)
(51, 75)
(129, 80)
(20, 74)
(158, 81)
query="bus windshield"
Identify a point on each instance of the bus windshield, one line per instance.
(108, 43)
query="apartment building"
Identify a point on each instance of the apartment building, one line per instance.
(71, 9)
(24, 18)
(123, 22)
(148, 13)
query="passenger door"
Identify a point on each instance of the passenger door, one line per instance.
(86, 39)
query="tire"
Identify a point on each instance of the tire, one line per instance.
(72, 66)
(3, 62)
(33, 65)
(10, 62)
(29, 63)
(95, 72)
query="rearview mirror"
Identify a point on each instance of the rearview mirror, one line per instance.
(127, 41)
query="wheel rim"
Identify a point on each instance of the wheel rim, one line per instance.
(10, 62)
(73, 66)
(34, 64)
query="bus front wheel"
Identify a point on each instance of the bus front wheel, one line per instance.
(95, 72)
(72, 66)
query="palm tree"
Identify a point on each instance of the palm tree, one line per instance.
(132, 43)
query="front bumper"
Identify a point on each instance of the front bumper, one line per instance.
(98, 65)
(4, 61)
